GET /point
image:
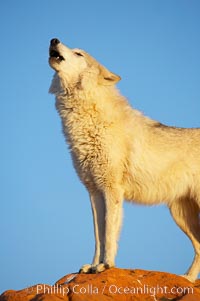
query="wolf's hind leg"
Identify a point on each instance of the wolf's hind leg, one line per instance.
(185, 212)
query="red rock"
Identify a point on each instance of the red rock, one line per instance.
(116, 284)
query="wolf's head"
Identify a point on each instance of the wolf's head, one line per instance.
(76, 66)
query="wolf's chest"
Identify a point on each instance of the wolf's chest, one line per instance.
(86, 140)
(85, 136)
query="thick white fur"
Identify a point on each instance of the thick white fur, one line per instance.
(120, 154)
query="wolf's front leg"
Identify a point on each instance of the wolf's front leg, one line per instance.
(113, 220)
(98, 211)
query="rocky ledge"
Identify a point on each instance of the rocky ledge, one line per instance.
(113, 284)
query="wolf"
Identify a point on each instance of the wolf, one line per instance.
(120, 154)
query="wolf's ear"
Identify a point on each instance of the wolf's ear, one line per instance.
(107, 78)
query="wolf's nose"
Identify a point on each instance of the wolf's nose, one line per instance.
(54, 42)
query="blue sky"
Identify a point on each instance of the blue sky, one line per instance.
(46, 222)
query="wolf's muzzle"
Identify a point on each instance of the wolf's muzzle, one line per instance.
(54, 42)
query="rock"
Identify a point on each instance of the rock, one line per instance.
(113, 284)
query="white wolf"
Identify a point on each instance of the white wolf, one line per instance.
(120, 154)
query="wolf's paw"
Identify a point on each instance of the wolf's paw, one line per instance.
(85, 269)
(100, 268)
(95, 269)
(188, 277)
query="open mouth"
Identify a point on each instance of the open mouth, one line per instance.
(56, 55)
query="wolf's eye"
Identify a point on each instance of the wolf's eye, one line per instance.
(78, 53)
